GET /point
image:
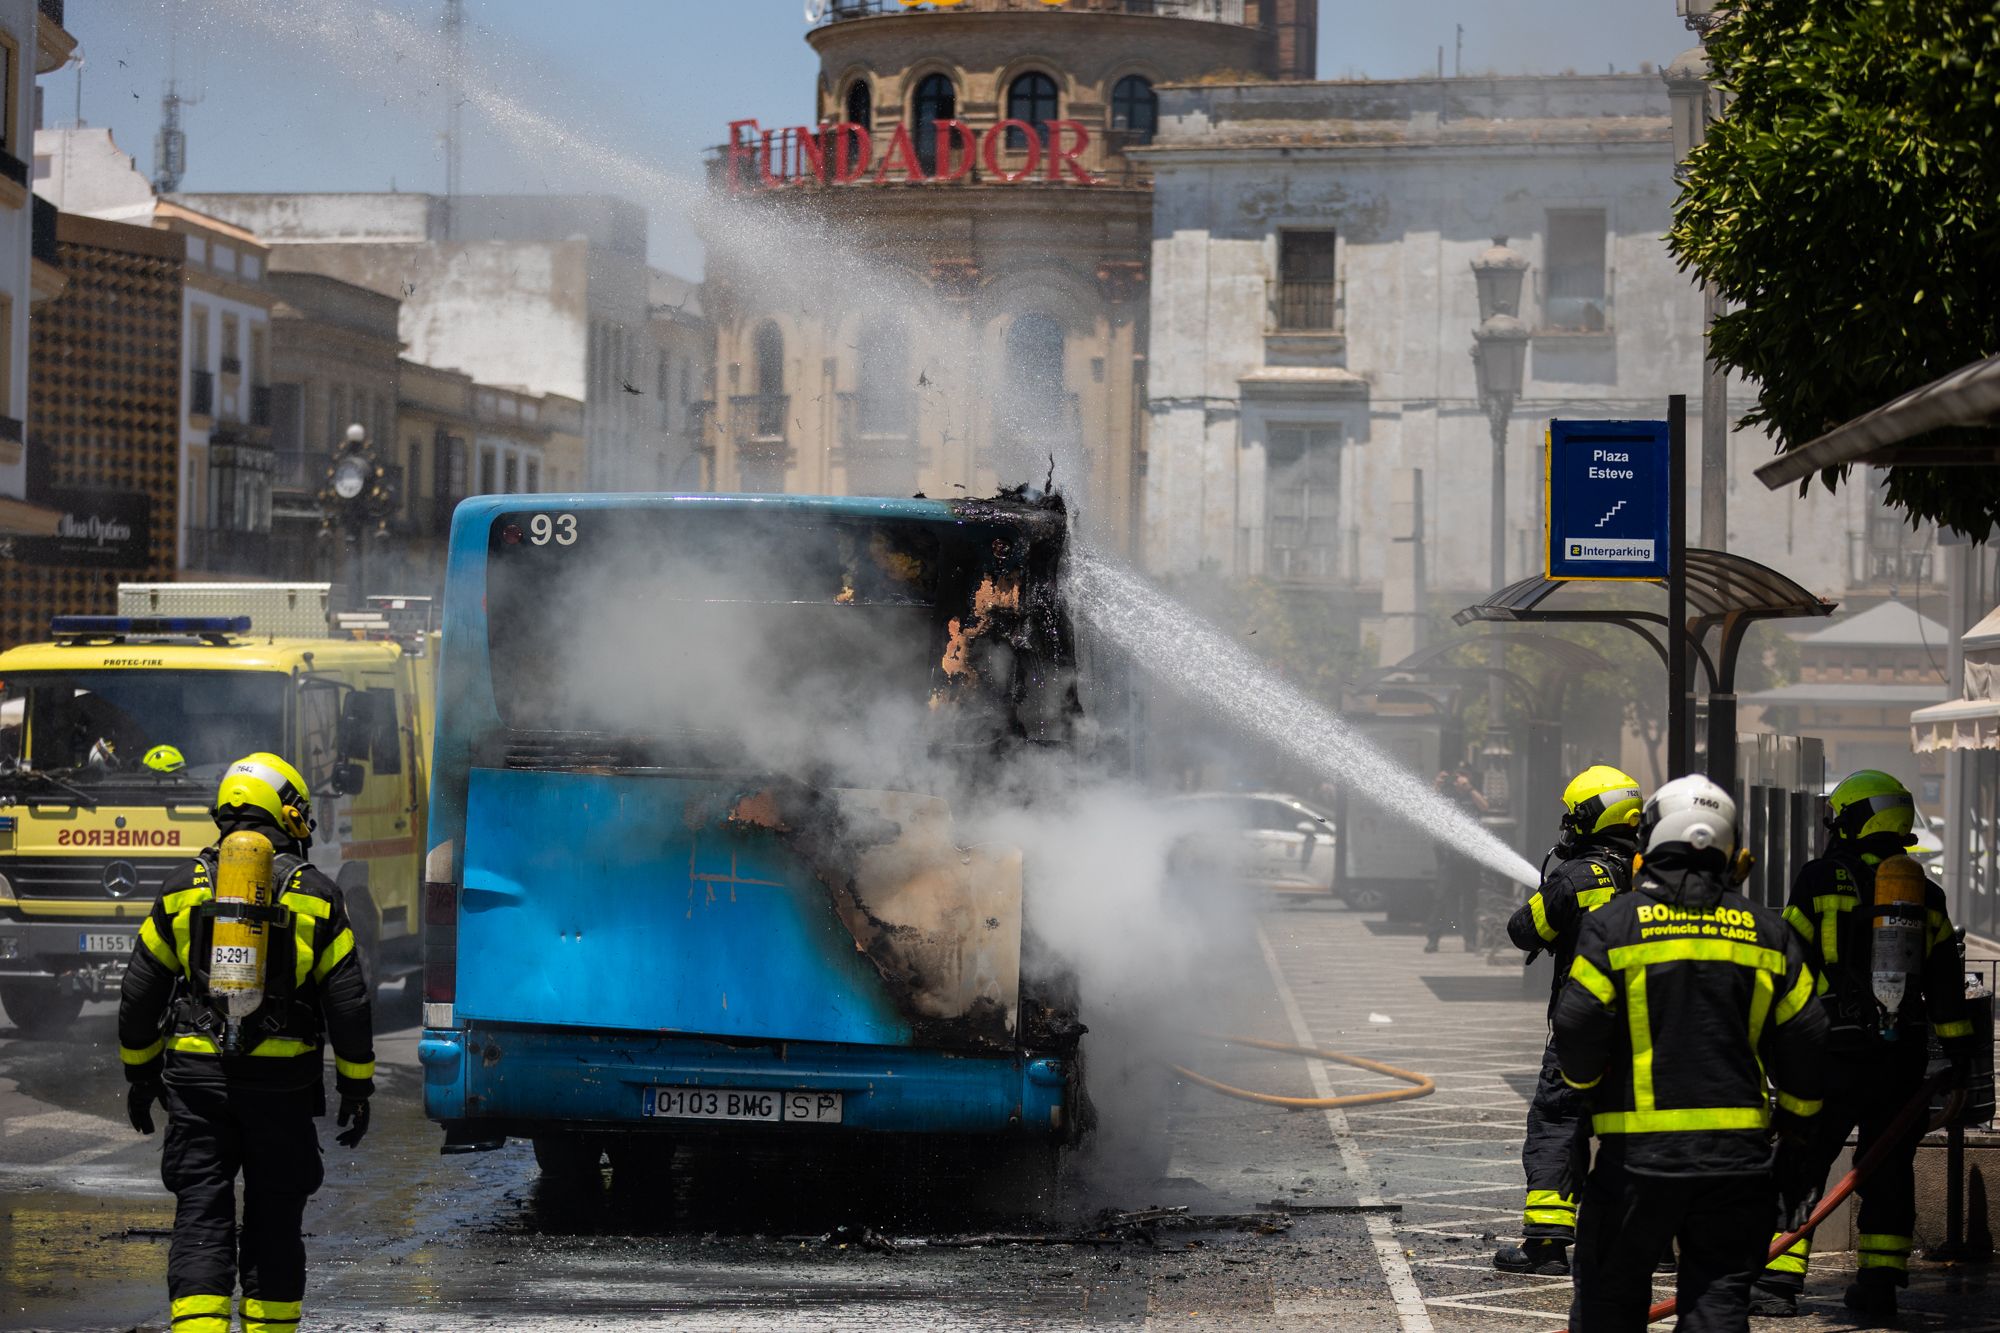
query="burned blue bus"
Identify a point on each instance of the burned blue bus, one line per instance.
(698, 852)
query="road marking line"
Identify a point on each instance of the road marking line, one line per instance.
(1410, 1312)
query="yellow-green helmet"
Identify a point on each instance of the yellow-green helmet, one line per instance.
(164, 759)
(265, 783)
(1599, 798)
(1870, 802)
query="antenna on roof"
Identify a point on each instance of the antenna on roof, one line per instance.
(170, 144)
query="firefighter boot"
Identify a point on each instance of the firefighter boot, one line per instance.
(1549, 1258)
(1773, 1303)
(1873, 1296)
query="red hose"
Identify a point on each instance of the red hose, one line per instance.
(1838, 1194)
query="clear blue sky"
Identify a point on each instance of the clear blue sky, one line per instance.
(346, 107)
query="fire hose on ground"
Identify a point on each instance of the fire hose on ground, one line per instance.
(1421, 1086)
(1838, 1194)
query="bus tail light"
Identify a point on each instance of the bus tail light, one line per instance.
(440, 947)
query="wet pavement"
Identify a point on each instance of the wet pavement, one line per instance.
(1231, 1215)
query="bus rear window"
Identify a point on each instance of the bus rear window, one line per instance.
(775, 632)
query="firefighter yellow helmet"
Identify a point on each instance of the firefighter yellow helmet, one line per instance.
(1871, 802)
(1599, 798)
(267, 784)
(164, 759)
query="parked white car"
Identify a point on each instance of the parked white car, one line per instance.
(1262, 840)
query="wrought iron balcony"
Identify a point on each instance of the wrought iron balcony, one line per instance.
(760, 417)
(1305, 305)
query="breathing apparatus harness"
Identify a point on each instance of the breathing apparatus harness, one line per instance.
(1865, 994)
(230, 994)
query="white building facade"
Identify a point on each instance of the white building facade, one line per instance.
(1312, 311)
(32, 42)
(225, 468)
(547, 294)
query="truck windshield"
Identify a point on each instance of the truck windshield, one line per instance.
(96, 726)
(768, 638)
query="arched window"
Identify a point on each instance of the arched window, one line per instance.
(860, 104)
(769, 349)
(768, 352)
(1135, 108)
(883, 401)
(1031, 97)
(1035, 355)
(936, 100)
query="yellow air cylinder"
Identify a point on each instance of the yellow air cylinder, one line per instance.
(240, 946)
(1896, 944)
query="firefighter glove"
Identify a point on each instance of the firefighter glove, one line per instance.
(139, 1099)
(354, 1119)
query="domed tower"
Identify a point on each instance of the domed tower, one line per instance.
(940, 285)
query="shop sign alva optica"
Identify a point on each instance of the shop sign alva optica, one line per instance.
(844, 153)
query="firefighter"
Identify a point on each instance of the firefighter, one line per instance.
(244, 968)
(1593, 861)
(1683, 999)
(1851, 908)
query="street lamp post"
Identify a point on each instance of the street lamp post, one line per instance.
(355, 500)
(1695, 105)
(1499, 359)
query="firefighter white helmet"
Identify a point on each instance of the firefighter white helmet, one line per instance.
(1691, 813)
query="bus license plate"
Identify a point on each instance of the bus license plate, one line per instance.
(104, 944)
(811, 1108)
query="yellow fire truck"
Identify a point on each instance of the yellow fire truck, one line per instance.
(89, 829)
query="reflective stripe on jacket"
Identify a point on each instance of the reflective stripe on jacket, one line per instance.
(1831, 909)
(313, 988)
(1582, 883)
(1684, 1020)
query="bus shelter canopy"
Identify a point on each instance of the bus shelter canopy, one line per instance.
(1723, 590)
(1895, 432)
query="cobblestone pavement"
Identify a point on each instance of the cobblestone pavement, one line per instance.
(1452, 1160)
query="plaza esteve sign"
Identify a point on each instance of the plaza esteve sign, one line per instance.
(1608, 496)
(844, 153)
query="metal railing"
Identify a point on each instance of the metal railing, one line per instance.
(201, 393)
(1305, 305)
(299, 470)
(760, 416)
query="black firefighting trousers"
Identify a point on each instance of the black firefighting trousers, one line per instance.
(1555, 1155)
(1864, 1093)
(1722, 1224)
(214, 1132)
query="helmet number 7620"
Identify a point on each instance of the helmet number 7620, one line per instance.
(561, 529)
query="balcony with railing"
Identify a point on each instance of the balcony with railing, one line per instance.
(760, 418)
(201, 393)
(299, 471)
(1304, 305)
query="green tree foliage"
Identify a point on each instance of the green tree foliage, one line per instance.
(1848, 206)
